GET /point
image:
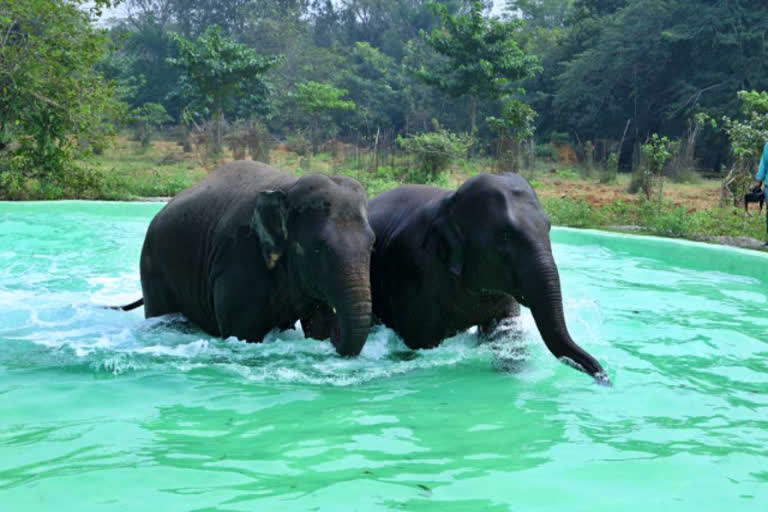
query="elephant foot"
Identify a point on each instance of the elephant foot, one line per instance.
(500, 328)
(504, 336)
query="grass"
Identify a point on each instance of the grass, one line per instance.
(570, 196)
(129, 172)
(651, 217)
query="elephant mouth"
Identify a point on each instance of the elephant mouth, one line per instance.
(324, 322)
(515, 294)
(335, 330)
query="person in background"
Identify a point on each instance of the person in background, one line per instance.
(760, 177)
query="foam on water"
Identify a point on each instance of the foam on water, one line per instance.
(38, 307)
(77, 333)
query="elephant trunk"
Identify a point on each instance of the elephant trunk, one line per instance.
(544, 298)
(352, 301)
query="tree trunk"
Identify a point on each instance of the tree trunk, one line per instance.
(473, 98)
(217, 129)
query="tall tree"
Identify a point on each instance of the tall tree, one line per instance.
(319, 101)
(141, 60)
(481, 56)
(375, 85)
(219, 71)
(658, 62)
(54, 104)
(541, 13)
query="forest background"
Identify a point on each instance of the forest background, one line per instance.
(602, 96)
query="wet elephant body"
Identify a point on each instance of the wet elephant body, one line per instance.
(445, 260)
(251, 248)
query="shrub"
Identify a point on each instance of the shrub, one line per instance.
(435, 151)
(146, 119)
(544, 151)
(657, 151)
(747, 137)
(610, 170)
(568, 174)
(299, 144)
(575, 213)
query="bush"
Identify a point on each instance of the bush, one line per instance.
(434, 151)
(568, 174)
(55, 104)
(298, 144)
(575, 213)
(610, 170)
(70, 180)
(145, 120)
(684, 175)
(545, 151)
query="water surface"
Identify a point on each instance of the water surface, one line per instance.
(103, 410)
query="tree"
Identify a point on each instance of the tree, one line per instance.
(375, 85)
(481, 56)
(141, 59)
(217, 71)
(435, 150)
(547, 14)
(54, 105)
(319, 101)
(146, 119)
(514, 125)
(657, 63)
(658, 152)
(748, 136)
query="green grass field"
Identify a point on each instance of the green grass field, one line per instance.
(570, 196)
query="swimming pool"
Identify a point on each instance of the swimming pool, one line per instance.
(103, 410)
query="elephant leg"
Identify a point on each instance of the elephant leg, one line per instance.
(502, 321)
(504, 336)
(158, 298)
(239, 311)
(319, 322)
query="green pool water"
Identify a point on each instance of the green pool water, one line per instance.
(103, 410)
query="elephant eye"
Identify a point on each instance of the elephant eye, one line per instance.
(318, 246)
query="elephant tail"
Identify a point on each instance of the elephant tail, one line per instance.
(128, 307)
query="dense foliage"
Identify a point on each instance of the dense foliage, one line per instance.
(55, 106)
(596, 77)
(612, 71)
(481, 56)
(651, 63)
(435, 150)
(218, 75)
(748, 134)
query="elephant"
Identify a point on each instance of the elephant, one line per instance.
(251, 248)
(444, 261)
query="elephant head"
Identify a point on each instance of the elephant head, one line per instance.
(318, 231)
(493, 235)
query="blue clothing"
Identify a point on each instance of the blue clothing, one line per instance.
(761, 176)
(763, 169)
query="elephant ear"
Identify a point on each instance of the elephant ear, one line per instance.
(269, 222)
(443, 239)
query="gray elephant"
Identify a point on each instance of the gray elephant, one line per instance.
(444, 261)
(251, 248)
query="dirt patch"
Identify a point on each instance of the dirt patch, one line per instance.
(704, 195)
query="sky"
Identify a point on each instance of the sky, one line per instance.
(120, 10)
